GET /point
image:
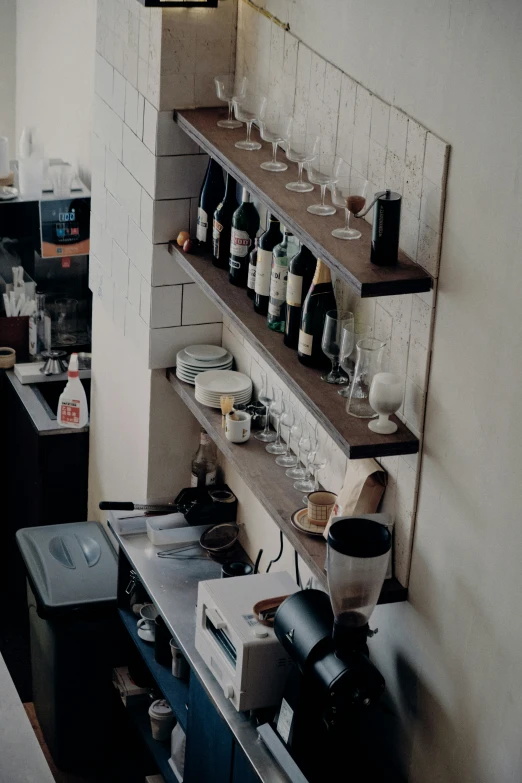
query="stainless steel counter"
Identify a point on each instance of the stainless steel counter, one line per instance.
(37, 409)
(173, 585)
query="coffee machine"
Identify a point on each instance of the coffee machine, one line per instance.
(331, 710)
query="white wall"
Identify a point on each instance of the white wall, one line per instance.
(8, 71)
(55, 75)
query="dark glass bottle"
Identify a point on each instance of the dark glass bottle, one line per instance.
(300, 274)
(267, 241)
(210, 196)
(252, 267)
(245, 225)
(282, 254)
(222, 225)
(320, 299)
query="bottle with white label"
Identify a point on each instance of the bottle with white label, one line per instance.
(73, 410)
(39, 329)
(320, 299)
(281, 257)
(222, 227)
(300, 276)
(204, 463)
(267, 242)
(245, 225)
(210, 196)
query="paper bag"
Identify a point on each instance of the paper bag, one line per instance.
(363, 488)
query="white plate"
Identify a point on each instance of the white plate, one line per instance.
(197, 370)
(211, 401)
(223, 381)
(216, 404)
(184, 358)
(206, 353)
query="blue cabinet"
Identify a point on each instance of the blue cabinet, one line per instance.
(210, 744)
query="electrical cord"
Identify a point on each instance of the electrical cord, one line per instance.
(258, 558)
(297, 575)
(282, 543)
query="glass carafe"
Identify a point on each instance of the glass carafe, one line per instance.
(368, 363)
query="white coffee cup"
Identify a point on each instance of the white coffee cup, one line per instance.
(161, 720)
(237, 429)
(146, 626)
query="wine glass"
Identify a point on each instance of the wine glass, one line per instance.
(275, 131)
(349, 192)
(249, 109)
(308, 448)
(331, 343)
(228, 90)
(350, 335)
(277, 408)
(265, 398)
(386, 395)
(301, 435)
(291, 460)
(323, 171)
(300, 148)
(369, 358)
(288, 459)
(318, 462)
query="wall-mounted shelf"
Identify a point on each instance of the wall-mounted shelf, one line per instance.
(350, 260)
(351, 434)
(272, 488)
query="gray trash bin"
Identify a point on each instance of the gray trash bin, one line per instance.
(72, 579)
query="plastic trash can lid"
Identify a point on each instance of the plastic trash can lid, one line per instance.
(70, 565)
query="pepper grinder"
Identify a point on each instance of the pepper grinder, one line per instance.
(386, 226)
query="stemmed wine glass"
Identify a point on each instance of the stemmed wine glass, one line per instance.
(323, 171)
(277, 408)
(249, 109)
(275, 131)
(300, 148)
(288, 422)
(228, 90)
(349, 192)
(300, 430)
(350, 334)
(318, 462)
(331, 343)
(308, 448)
(265, 398)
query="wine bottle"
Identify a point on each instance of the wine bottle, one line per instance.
(245, 225)
(267, 242)
(281, 256)
(204, 463)
(222, 225)
(210, 196)
(252, 268)
(300, 275)
(319, 300)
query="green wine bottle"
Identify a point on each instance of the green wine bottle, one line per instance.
(320, 299)
(281, 256)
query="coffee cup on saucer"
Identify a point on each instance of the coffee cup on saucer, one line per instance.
(147, 625)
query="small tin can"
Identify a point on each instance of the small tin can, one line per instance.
(386, 227)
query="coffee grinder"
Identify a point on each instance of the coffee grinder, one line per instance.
(326, 714)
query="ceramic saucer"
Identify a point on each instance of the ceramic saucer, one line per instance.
(300, 521)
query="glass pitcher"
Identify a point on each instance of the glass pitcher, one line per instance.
(368, 363)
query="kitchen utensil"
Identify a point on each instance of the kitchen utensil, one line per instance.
(369, 359)
(205, 353)
(301, 522)
(146, 625)
(229, 570)
(219, 538)
(180, 667)
(7, 358)
(55, 362)
(229, 89)
(320, 505)
(155, 508)
(349, 192)
(386, 227)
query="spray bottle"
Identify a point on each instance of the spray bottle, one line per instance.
(72, 405)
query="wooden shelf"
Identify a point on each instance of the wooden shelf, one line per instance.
(272, 488)
(351, 434)
(350, 260)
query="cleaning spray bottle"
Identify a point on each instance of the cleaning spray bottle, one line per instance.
(72, 405)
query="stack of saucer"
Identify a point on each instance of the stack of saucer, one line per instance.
(195, 359)
(211, 385)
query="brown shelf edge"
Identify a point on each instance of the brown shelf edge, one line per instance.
(311, 550)
(383, 448)
(420, 281)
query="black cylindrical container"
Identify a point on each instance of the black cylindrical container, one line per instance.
(303, 624)
(386, 226)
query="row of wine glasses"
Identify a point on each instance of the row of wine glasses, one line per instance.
(348, 189)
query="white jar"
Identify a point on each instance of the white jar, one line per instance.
(161, 720)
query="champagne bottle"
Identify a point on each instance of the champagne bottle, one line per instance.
(210, 195)
(319, 300)
(245, 225)
(222, 225)
(267, 242)
(281, 256)
(204, 463)
(252, 268)
(300, 275)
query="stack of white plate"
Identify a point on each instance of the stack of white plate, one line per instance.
(195, 359)
(211, 385)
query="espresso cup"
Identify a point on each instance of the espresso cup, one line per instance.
(237, 429)
(320, 505)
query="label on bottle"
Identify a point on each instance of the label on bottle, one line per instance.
(209, 479)
(217, 228)
(305, 343)
(279, 279)
(240, 243)
(263, 271)
(234, 264)
(251, 283)
(201, 231)
(70, 412)
(294, 290)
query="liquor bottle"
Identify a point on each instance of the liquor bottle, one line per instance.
(222, 226)
(319, 300)
(267, 242)
(204, 463)
(282, 254)
(39, 329)
(210, 196)
(300, 275)
(252, 267)
(245, 225)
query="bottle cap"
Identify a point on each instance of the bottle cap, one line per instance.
(73, 371)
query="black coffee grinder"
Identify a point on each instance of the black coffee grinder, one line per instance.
(326, 716)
